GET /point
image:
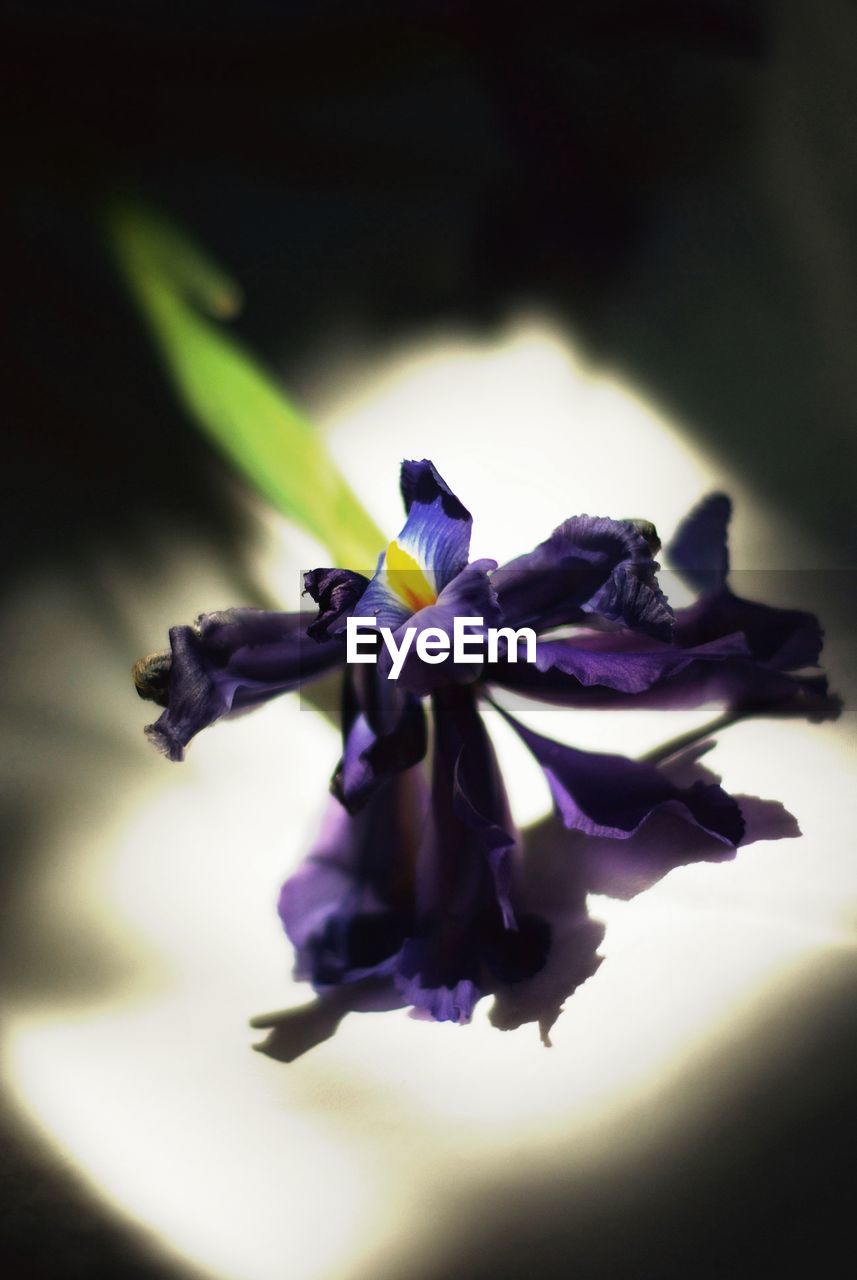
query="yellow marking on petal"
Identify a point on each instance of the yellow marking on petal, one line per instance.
(407, 578)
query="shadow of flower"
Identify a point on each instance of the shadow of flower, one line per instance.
(563, 867)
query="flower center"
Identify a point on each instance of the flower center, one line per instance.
(407, 578)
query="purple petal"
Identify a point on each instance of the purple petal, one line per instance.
(782, 639)
(620, 671)
(740, 684)
(349, 907)
(588, 566)
(628, 667)
(465, 934)
(416, 898)
(372, 753)
(336, 592)
(469, 594)
(699, 549)
(786, 639)
(632, 597)
(232, 661)
(478, 794)
(439, 1003)
(566, 670)
(610, 795)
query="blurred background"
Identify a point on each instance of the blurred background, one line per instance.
(663, 193)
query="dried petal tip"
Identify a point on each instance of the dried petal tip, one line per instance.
(648, 533)
(152, 677)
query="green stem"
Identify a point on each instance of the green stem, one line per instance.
(658, 755)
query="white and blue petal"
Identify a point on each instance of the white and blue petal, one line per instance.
(429, 552)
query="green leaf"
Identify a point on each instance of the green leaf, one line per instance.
(236, 403)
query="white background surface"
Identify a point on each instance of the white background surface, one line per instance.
(362, 1154)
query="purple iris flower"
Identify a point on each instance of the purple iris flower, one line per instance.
(415, 894)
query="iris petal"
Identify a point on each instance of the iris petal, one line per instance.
(440, 1003)
(611, 795)
(469, 595)
(232, 661)
(588, 566)
(479, 796)
(738, 683)
(429, 552)
(336, 592)
(379, 740)
(699, 549)
(349, 907)
(468, 937)
(621, 661)
(437, 530)
(786, 639)
(778, 640)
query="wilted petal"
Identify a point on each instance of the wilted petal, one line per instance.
(479, 797)
(336, 592)
(611, 795)
(619, 670)
(623, 661)
(588, 566)
(631, 596)
(349, 907)
(445, 998)
(743, 686)
(383, 734)
(785, 639)
(699, 549)
(466, 934)
(232, 661)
